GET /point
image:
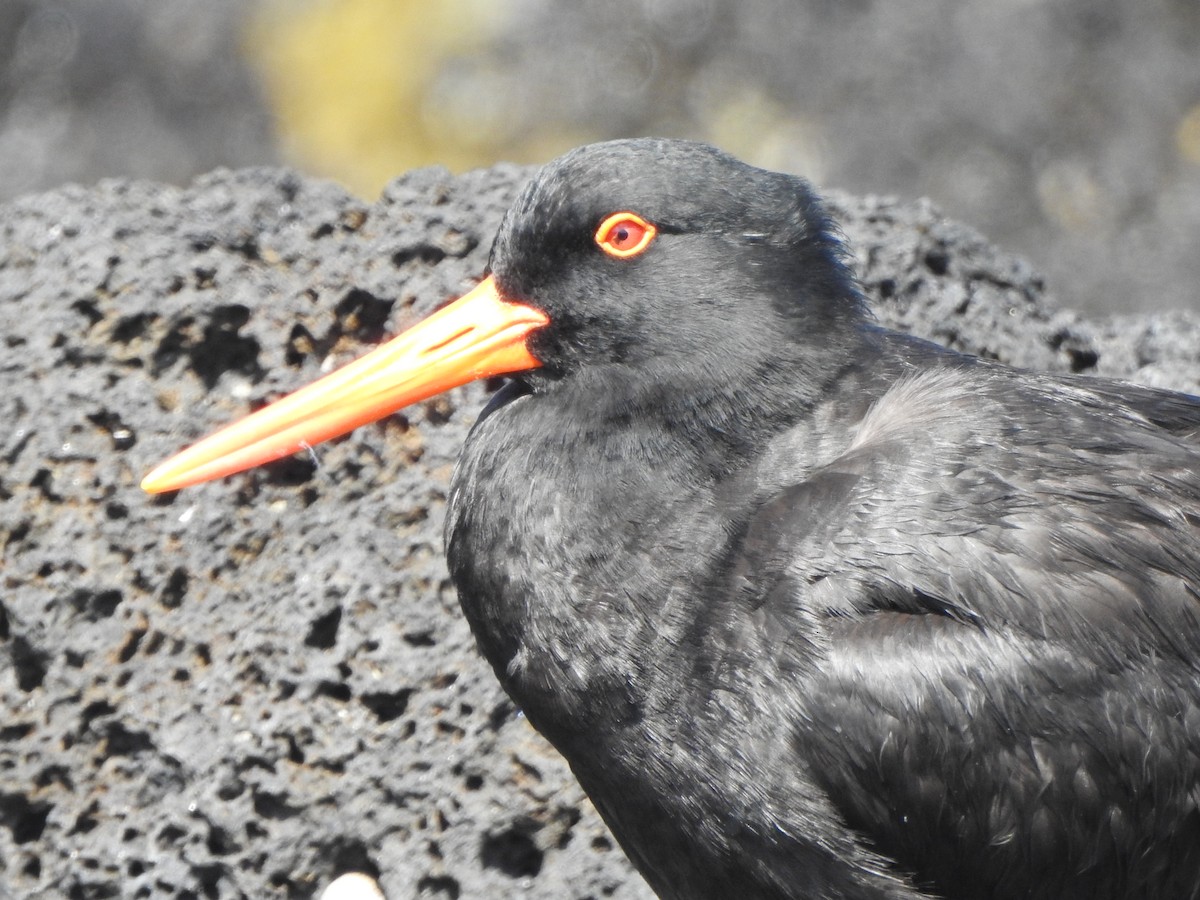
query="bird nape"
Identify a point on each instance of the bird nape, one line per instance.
(812, 608)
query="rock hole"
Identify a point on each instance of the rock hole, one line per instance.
(351, 855)
(322, 633)
(130, 647)
(129, 328)
(438, 887)
(334, 690)
(26, 819)
(387, 705)
(13, 733)
(121, 741)
(30, 664)
(363, 315)
(501, 713)
(512, 852)
(223, 349)
(300, 345)
(426, 254)
(423, 638)
(1083, 360)
(89, 310)
(937, 261)
(95, 604)
(268, 805)
(220, 843)
(209, 876)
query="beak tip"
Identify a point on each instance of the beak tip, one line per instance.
(157, 482)
(149, 486)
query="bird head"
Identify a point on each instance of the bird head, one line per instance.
(652, 249)
(646, 256)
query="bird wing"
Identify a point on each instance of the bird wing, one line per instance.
(1037, 504)
(1001, 577)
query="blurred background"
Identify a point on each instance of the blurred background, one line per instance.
(1067, 130)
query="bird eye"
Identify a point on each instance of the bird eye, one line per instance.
(624, 234)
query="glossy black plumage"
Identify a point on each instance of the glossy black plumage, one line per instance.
(815, 609)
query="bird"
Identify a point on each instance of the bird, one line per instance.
(813, 609)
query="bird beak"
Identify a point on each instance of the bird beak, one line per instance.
(479, 335)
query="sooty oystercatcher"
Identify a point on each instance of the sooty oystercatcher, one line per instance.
(812, 608)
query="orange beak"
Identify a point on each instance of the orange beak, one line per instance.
(477, 336)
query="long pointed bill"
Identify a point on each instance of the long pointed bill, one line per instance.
(478, 336)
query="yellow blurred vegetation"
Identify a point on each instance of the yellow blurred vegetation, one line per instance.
(366, 89)
(1187, 136)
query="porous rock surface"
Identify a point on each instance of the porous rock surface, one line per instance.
(250, 687)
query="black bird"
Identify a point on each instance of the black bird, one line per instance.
(813, 609)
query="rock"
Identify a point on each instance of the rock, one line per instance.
(251, 687)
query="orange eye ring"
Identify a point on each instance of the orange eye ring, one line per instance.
(625, 234)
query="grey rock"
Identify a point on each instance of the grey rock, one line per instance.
(250, 687)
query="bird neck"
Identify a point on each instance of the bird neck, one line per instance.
(576, 515)
(706, 416)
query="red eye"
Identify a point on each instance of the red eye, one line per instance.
(624, 234)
